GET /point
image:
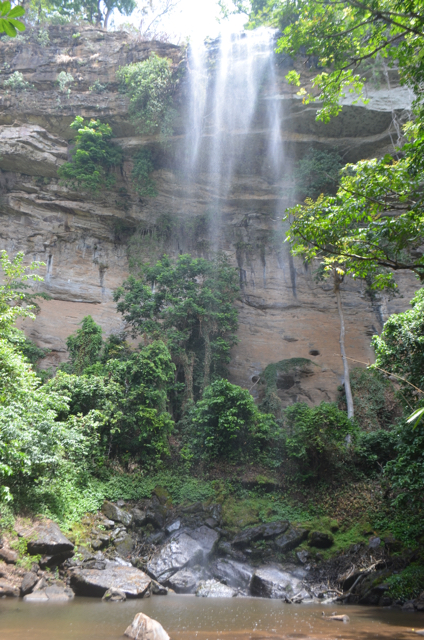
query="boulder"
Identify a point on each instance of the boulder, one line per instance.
(124, 545)
(92, 582)
(232, 573)
(112, 512)
(114, 595)
(46, 538)
(145, 628)
(184, 581)
(419, 602)
(53, 593)
(156, 515)
(262, 532)
(303, 556)
(8, 556)
(271, 582)
(158, 589)
(174, 526)
(374, 543)
(227, 549)
(174, 555)
(206, 538)
(8, 589)
(215, 589)
(321, 540)
(29, 581)
(139, 517)
(291, 539)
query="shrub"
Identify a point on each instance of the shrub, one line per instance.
(316, 437)
(374, 400)
(84, 346)
(226, 424)
(408, 584)
(17, 82)
(150, 87)
(93, 157)
(143, 167)
(63, 79)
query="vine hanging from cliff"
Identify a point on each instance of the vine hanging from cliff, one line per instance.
(93, 157)
(150, 85)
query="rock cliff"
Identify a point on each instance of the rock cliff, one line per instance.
(86, 241)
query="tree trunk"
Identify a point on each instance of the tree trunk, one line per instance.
(348, 390)
(188, 366)
(208, 359)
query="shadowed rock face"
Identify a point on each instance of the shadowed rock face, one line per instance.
(83, 239)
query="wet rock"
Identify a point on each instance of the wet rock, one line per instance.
(124, 545)
(291, 539)
(211, 522)
(408, 606)
(214, 589)
(158, 589)
(174, 526)
(233, 574)
(92, 582)
(145, 628)
(50, 561)
(419, 632)
(374, 543)
(156, 538)
(53, 593)
(337, 618)
(29, 581)
(139, 517)
(303, 556)
(113, 512)
(226, 549)
(271, 582)
(8, 589)
(184, 581)
(174, 555)
(156, 516)
(108, 524)
(262, 532)
(114, 595)
(46, 538)
(206, 538)
(320, 539)
(419, 602)
(8, 556)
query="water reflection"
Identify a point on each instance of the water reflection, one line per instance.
(190, 618)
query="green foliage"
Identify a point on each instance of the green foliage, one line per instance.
(43, 37)
(9, 23)
(275, 375)
(32, 352)
(63, 79)
(226, 424)
(17, 82)
(97, 86)
(15, 299)
(190, 305)
(375, 449)
(400, 347)
(316, 438)
(369, 229)
(84, 346)
(318, 172)
(150, 86)
(128, 398)
(142, 168)
(374, 399)
(408, 584)
(63, 11)
(336, 37)
(93, 157)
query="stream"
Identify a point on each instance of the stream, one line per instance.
(191, 618)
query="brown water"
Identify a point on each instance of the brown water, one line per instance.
(191, 618)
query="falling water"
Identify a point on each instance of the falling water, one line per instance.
(234, 114)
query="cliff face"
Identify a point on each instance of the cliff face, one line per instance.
(86, 241)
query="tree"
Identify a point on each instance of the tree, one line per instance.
(9, 23)
(189, 304)
(85, 345)
(95, 11)
(341, 35)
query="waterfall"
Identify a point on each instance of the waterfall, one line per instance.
(233, 119)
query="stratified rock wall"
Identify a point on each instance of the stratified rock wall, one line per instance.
(84, 240)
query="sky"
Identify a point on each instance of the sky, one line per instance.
(195, 19)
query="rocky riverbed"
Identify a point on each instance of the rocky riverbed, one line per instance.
(151, 548)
